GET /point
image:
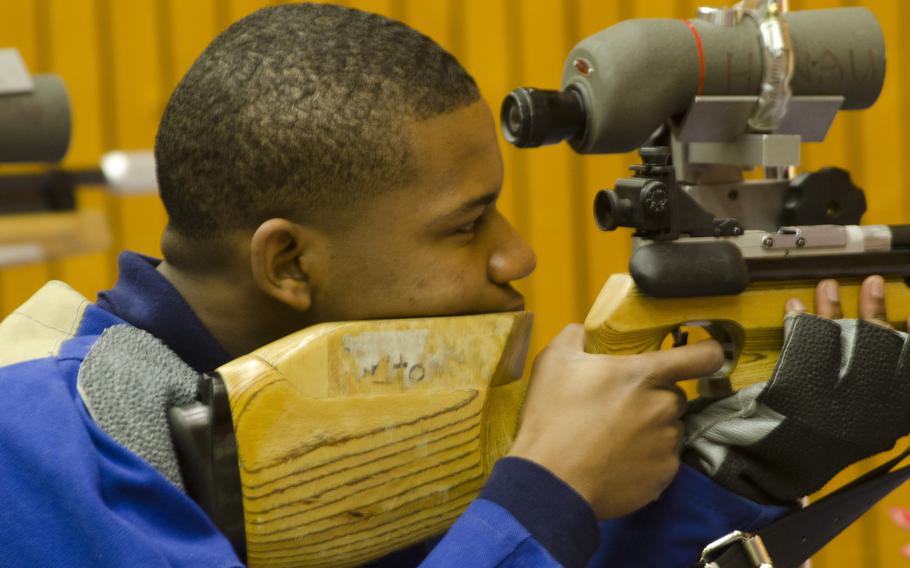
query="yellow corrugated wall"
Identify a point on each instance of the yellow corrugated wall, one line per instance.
(121, 58)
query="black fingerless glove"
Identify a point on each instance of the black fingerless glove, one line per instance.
(840, 392)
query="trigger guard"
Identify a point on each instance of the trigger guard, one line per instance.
(730, 336)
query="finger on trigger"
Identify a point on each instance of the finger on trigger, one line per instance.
(827, 300)
(872, 301)
(697, 360)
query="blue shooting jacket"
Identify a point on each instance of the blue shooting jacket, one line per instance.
(75, 497)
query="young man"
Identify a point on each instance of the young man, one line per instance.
(323, 164)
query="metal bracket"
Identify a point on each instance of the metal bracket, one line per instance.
(777, 54)
(725, 118)
(780, 150)
(807, 240)
(715, 130)
(816, 236)
(752, 544)
(727, 17)
(777, 49)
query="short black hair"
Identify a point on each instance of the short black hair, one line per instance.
(296, 108)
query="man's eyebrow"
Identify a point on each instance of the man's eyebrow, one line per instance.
(481, 201)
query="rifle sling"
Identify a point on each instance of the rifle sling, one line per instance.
(794, 538)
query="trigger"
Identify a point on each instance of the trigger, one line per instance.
(680, 337)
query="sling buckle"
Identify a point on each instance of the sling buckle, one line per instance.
(751, 543)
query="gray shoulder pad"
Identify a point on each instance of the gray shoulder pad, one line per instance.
(128, 381)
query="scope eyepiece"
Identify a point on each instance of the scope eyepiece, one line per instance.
(533, 117)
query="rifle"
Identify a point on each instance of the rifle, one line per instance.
(728, 91)
(344, 490)
(711, 249)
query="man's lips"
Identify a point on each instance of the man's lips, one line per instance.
(516, 306)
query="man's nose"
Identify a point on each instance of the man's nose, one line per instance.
(513, 258)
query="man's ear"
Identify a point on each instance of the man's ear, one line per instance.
(285, 259)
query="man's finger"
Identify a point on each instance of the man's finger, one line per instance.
(672, 365)
(872, 301)
(682, 401)
(795, 306)
(827, 300)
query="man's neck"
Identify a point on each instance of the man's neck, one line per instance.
(226, 311)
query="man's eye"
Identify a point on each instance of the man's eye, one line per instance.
(467, 228)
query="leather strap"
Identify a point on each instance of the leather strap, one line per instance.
(794, 538)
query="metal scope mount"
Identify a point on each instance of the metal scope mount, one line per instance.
(695, 216)
(711, 146)
(653, 203)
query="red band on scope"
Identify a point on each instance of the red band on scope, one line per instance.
(701, 57)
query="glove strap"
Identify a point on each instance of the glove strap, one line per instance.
(792, 539)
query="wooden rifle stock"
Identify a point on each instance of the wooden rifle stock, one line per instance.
(357, 439)
(624, 321)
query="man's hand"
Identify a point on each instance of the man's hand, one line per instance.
(609, 426)
(840, 392)
(827, 301)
